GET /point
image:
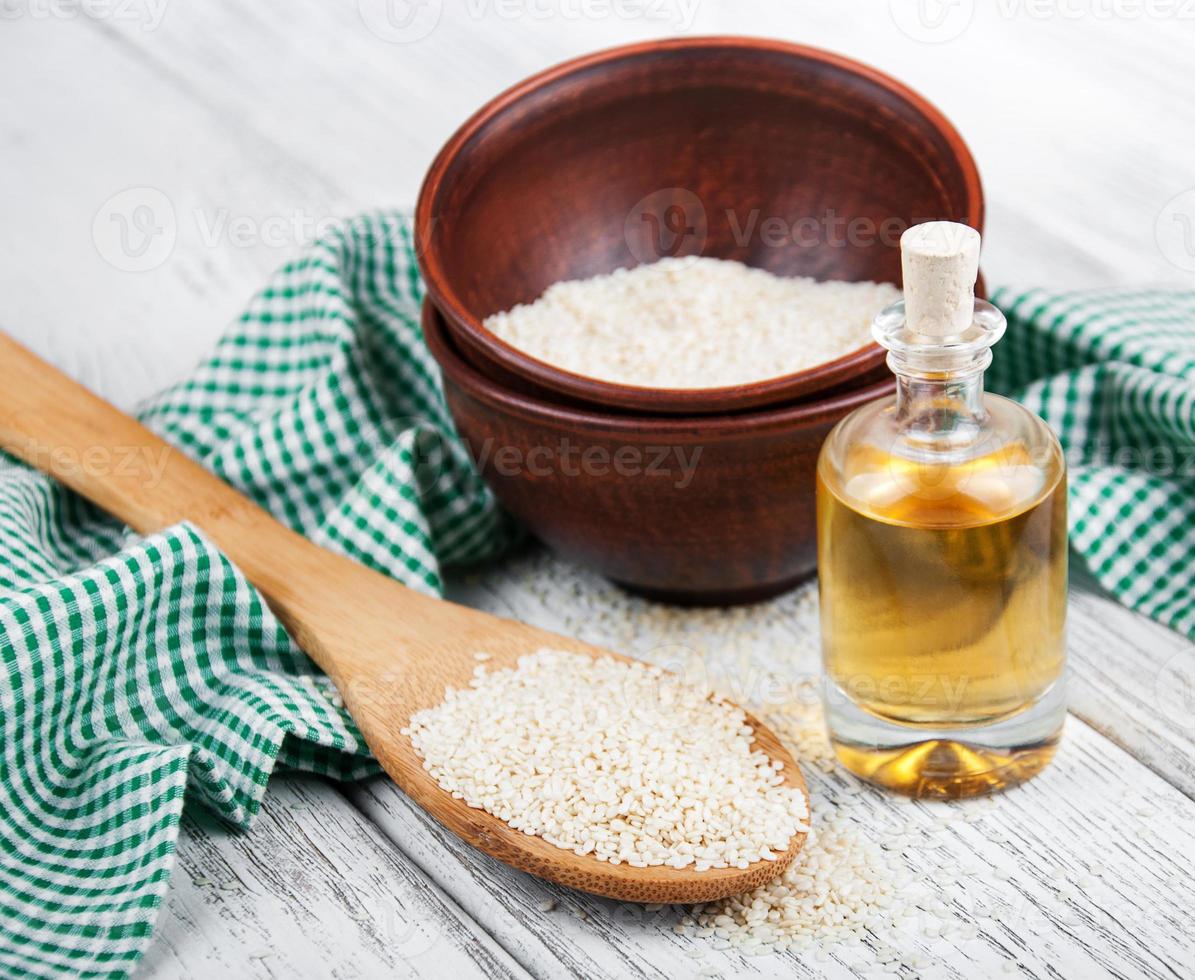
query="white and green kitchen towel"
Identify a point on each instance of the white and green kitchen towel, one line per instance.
(139, 672)
(1113, 372)
(135, 672)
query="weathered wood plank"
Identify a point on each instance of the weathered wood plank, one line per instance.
(1068, 108)
(1133, 680)
(313, 890)
(1069, 876)
(369, 132)
(94, 122)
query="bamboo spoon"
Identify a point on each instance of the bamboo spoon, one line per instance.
(389, 650)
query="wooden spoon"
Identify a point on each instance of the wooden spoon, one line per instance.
(389, 650)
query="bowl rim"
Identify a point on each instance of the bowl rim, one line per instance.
(768, 421)
(598, 392)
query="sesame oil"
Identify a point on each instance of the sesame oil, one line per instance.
(942, 550)
(944, 611)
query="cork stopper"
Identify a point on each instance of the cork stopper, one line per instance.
(940, 262)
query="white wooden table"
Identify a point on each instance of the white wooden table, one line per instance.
(256, 121)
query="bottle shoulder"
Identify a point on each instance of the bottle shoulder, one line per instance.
(1007, 464)
(1007, 421)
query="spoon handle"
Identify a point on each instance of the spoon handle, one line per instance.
(56, 425)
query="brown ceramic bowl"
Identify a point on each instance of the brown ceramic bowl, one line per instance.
(784, 157)
(706, 509)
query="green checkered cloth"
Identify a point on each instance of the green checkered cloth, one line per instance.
(136, 672)
(1113, 372)
(139, 671)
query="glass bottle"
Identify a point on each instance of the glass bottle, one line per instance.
(942, 551)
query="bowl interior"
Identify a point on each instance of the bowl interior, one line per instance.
(787, 159)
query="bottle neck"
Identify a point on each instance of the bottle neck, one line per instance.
(940, 407)
(939, 380)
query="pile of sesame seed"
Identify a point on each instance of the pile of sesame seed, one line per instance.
(618, 760)
(693, 323)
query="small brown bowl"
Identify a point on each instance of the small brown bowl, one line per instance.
(783, 157)
(709, 509)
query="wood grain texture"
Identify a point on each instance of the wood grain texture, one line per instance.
(1134, 681)
(1100, 888)
(313, 891)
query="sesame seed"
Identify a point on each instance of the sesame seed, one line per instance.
(738, 324)
(581, 750)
